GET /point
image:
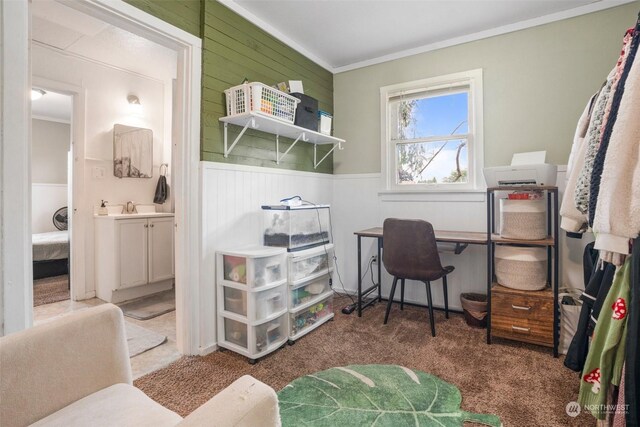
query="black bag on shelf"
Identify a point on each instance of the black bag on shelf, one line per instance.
(306, 112)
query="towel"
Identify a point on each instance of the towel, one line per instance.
(162, 190)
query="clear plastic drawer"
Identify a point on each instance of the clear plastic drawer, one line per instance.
(256, 305)
(254, 267)
(309, 290)
(308, 317)
(310, 263)
(270, 334)
(235, 332)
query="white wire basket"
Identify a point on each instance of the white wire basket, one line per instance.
(262, 99)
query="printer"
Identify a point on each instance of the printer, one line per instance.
(526, 169)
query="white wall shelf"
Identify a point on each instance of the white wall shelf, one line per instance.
(278, 128)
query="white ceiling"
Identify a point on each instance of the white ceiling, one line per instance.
(66, 29)
(52, 106)
(347, 34)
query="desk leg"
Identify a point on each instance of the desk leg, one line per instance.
(359, 276)
(379, 270)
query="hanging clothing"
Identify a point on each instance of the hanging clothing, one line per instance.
(607, 353)
(615, 182)
(632, 364)
(592, 143)
(597, 285)
(572, 219)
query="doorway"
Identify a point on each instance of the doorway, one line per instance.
(17, 302)
(51, 175)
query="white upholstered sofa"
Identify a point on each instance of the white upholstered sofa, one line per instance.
(75, 371)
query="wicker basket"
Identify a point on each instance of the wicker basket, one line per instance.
(521, 268)
(523, 219)
(262, 99)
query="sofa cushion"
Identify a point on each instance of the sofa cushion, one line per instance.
(118, 405)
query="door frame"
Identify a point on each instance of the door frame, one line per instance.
(16, 264)
(77, 227)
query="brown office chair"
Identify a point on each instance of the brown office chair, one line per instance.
(411, 252)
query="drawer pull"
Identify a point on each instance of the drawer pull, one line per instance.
(520, 307)
(519, 329)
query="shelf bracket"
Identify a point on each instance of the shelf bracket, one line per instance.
(302, 136)
(316, 163)
(227, 151)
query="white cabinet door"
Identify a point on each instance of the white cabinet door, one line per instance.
(161, 249)
(132, 235)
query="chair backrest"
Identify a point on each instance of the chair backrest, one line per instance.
(410, 249)
(47, 367)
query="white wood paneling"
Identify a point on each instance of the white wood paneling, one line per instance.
(45, 200)
(357, 205)
(231, 199)
(231, 217)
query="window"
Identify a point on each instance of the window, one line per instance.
(432, 134)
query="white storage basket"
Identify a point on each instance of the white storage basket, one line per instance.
(521, 268)
(262, 99)
(523, 219)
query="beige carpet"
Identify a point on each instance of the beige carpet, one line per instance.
(50, 290)
(522, 384)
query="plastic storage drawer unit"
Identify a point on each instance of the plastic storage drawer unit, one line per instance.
(252, 300)
(309, 316)
(296, 227)
(310, 263)
(252, 267)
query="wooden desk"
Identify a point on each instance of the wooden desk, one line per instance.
(462, 239)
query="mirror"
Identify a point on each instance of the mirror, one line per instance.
(132, 152)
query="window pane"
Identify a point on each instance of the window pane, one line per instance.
(433, 162)
(433, 116)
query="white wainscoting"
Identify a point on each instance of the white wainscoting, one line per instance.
(233, 194)
(231, 217)
(45, 200)
(357, 205)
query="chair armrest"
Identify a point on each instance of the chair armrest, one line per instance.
(47, 367)
(245, 403)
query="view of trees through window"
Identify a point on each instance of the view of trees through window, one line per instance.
(431, 139)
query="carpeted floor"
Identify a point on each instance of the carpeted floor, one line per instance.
(50, 290)
(522, 384)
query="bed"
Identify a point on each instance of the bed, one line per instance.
(50, 254)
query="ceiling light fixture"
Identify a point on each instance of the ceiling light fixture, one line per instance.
(37, 94)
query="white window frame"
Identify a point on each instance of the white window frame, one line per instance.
(472, 79)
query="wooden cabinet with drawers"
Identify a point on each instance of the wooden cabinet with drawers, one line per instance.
(524, 315)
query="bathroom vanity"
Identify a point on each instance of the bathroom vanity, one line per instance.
(134, 255)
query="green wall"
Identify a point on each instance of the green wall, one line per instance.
(536, 84)
(184, 14)
(234, 49)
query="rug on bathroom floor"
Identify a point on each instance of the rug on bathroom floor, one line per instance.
(381, 395)
(140, 339)
(50, 290)
(151, 306)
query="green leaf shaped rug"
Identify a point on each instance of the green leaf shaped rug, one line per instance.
(374, 395)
